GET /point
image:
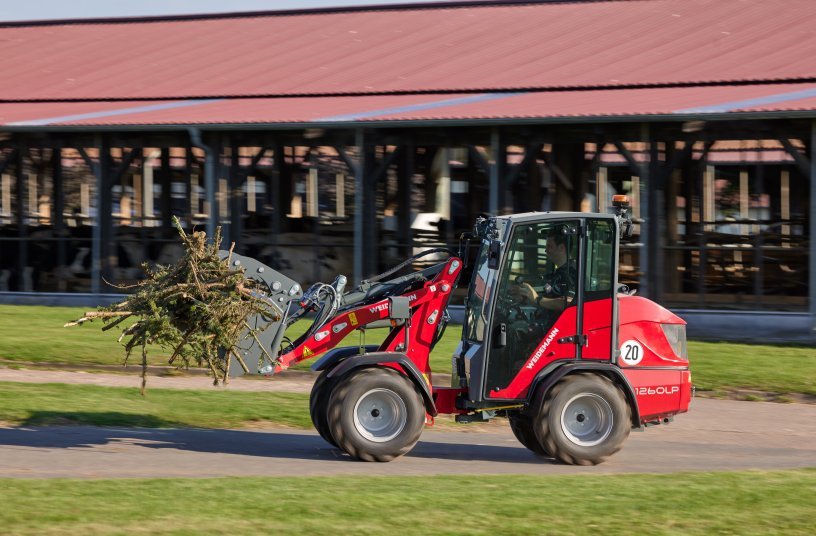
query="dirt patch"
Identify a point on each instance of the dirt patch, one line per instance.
(291, 381)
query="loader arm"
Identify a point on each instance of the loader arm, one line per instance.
(413, 334)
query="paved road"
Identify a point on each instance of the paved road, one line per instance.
(716, 435)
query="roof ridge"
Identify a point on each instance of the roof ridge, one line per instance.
(427, 5)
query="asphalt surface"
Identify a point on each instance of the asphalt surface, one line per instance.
(715, 435)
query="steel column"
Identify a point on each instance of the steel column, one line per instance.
(370, 227)
(100, 248)
(812, 236)
(656, 223)
(189, 212)
(646, 230)
(210, 161)
(498, 164)
(276, 183)
(359, 209)
(166, 182)
(59, 209)
(105, 214)
(404, 188)
(22, 231)
(759, 245)
(235, 191)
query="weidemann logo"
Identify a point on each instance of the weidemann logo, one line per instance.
(542, 348)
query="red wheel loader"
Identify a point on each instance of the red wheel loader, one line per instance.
(550, 340)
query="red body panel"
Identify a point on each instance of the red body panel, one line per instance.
(597, 319)
(445, 399)
(547, 351)
(660, 380)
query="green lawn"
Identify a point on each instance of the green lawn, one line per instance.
(720, 366)
(56, 403)
(690, 503)
(35, 334)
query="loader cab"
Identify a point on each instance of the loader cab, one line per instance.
(540, 283)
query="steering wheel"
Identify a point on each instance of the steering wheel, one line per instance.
(513, 304)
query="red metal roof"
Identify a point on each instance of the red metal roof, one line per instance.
(621, 104)
(409, 50)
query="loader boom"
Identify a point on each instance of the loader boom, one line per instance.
(414, 306)
(413, 334)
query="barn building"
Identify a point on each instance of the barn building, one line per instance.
(343, 140)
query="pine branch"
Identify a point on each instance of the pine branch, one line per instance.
(197, 309)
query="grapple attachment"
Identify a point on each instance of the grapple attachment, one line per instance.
(260, 344)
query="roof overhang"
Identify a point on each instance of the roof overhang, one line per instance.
(673, 104)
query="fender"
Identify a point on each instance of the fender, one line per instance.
(377, 358)
(552, 373)
(336, 355)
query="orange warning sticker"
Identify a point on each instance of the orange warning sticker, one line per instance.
(353, 319)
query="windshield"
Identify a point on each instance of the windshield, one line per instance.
(478, 295)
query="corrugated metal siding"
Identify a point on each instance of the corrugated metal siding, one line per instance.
(606, 103)
(603, 44)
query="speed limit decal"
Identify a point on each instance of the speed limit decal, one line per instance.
(631, 352)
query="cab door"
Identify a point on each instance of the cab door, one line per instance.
(599, 296)
(524, 335)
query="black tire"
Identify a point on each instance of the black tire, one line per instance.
(319, 403)
(584, 419)
(522, 427)
(376, 414)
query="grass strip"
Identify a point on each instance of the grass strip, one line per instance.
(54, 403)
(688, 503)
(35, 334)
(779, 369)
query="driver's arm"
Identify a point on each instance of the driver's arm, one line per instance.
(553, 304)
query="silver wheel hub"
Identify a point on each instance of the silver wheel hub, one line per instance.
(380, 415)
(587, 419)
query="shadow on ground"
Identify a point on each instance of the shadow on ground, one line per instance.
(267, 444)
(97, 418)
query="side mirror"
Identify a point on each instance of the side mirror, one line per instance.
(494, 254)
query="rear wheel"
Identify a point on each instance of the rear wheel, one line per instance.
(584, 419)
(376, 414)
(522, 427)
(319, 403)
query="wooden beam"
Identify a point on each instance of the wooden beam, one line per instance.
(801, 160)
(635, 166)
(349, 161)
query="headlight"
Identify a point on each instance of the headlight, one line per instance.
(676, 335)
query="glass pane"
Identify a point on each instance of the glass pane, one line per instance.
(600, 260)
(538, 281)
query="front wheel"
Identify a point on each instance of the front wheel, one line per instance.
(376, 414)
(584, 420)
(522, 427)
(318, 405)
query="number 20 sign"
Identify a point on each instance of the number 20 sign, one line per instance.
(631, 352)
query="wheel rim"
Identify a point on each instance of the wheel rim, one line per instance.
(380, 415)
(587, 419)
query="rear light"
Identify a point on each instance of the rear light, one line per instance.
(676, 335)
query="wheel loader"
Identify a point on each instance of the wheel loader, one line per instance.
(550, 340)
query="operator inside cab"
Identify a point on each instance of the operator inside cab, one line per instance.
(560, 276)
